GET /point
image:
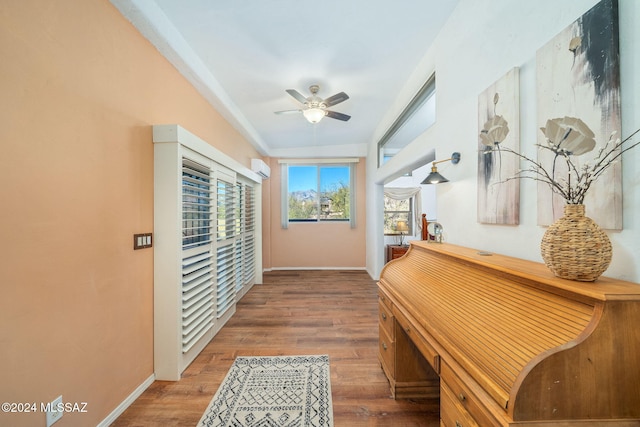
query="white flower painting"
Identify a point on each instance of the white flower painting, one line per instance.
(499, 128)
(578, 75)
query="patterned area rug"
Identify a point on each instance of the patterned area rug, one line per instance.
(278, 391)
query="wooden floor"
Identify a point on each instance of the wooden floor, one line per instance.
(294, 312)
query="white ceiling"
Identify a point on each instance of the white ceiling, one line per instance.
(242, 55)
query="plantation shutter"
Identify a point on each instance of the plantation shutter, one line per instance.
(249, 237)
(197, 262)
(199, 215)
(245, 232)
(240, 225)
(226, 231)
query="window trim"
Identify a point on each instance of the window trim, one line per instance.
(284, 186)
(426, 91)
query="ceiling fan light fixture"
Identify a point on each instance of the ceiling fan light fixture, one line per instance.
(314, 115)
(314, 108)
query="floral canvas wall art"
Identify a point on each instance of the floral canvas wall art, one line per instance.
(578, 76)
(499, 128)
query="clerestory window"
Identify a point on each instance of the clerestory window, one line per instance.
(416, 118)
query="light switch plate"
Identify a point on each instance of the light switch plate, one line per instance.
(142, 241)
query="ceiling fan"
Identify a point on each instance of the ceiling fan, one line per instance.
(315, 108)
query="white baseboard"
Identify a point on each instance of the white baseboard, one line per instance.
(127, 402)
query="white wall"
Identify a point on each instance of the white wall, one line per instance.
(483, 40)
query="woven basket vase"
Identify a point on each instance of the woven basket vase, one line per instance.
(575, 247)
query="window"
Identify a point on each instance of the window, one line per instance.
(396, 213)
(417, 117)
(318, 193)
(402, 210)
(314, 192)
(196, 210)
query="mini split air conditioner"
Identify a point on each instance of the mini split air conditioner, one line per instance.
(261, 168)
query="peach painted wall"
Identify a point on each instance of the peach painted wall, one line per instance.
(80, 89)
(316, 245)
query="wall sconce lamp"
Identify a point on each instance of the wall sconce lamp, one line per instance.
(434, 177)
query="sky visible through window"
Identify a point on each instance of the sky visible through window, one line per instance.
(302, 178)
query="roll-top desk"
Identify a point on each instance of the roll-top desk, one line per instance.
(503, 342)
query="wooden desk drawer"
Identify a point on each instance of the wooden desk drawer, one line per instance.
(452, 412)
(417, 337)
(385, 319)
(387, 352)
(464, 397)
(382, 297)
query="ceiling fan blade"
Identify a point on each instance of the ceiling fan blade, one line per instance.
(336, 99)
(287, 112)
(339, 116)
(297, 95)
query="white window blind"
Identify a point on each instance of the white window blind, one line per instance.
(226, 232)
(196, 204)
(225, 278)
(197, 262)
(226, 210)
(249, 238)
(245, 242)
(240, 218)
(197, 299)
(200, 246)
